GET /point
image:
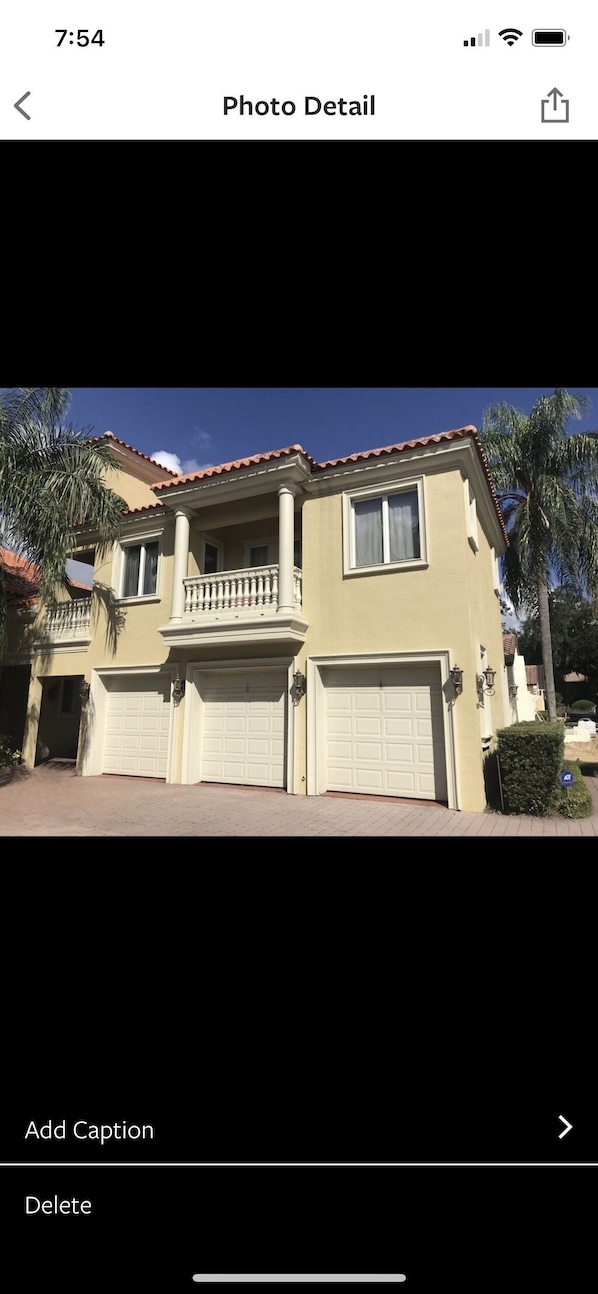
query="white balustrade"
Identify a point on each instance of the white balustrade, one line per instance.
(69, 619)
(252, 590)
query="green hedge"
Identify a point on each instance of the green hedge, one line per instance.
(575, 801)
(531, 756)
(583, 705)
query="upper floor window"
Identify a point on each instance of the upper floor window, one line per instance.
(384, 528)
(140, 569)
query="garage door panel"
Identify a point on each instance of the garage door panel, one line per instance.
(367, 701)
(369, 780)
(401, 784)
(399, 727)
(368, 750)
(403, 708)
(243, 728)
(399, 753)
(364, 726)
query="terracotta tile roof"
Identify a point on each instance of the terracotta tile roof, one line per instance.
(458, 433)
(509, 642)
(109, 435)
(145, 507)
(21, 577)
(534, 676)
(238, 462)
(441, 436)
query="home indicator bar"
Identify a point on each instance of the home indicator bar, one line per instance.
(305, 1280)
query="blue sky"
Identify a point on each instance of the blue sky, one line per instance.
(202, 426)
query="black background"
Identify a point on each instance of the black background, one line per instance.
(445, 1228)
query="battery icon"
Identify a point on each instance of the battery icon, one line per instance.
(549, 37)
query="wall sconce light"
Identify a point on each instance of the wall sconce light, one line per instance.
(299, 685)
(513, 690)
(84, 691)
(178, 689)
(486, 681)
(456, 677)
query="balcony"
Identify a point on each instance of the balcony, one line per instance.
(68, 625)
(235, 606)
(253, 590)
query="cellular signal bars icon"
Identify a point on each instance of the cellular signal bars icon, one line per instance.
(485, 40)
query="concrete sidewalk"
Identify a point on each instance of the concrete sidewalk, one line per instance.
(52, 801)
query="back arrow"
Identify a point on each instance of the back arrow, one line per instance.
(568, 1127)
(21, 110)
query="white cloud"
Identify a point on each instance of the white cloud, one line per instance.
(170, 461)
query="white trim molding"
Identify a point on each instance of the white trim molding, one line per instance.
(316, 709)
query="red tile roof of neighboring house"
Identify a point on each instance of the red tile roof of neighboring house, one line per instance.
(458, 433)
(509, 643)
(534, 676)
(23, 578)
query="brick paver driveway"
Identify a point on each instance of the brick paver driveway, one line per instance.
(51, 801)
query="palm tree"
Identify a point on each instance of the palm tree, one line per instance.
(52, 480)
(546, 479)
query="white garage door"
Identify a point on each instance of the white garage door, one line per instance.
(137, 725)
(243, 728)
(385, 732)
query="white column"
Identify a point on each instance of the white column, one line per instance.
(181, 563)
(286, 533)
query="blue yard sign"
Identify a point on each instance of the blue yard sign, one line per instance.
(567, 778)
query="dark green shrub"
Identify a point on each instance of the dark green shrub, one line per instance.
(9, 758)
(561, 711)
(583, 705)
(530, 757)
(576, 800)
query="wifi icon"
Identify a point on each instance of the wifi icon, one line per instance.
(510, 34)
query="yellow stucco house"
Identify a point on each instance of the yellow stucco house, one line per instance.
(316, 627)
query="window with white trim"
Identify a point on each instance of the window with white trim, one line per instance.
(139, 569)
(384, 528)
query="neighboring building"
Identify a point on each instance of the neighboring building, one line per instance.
(523, 696)
(536, 684)
(362, 582)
